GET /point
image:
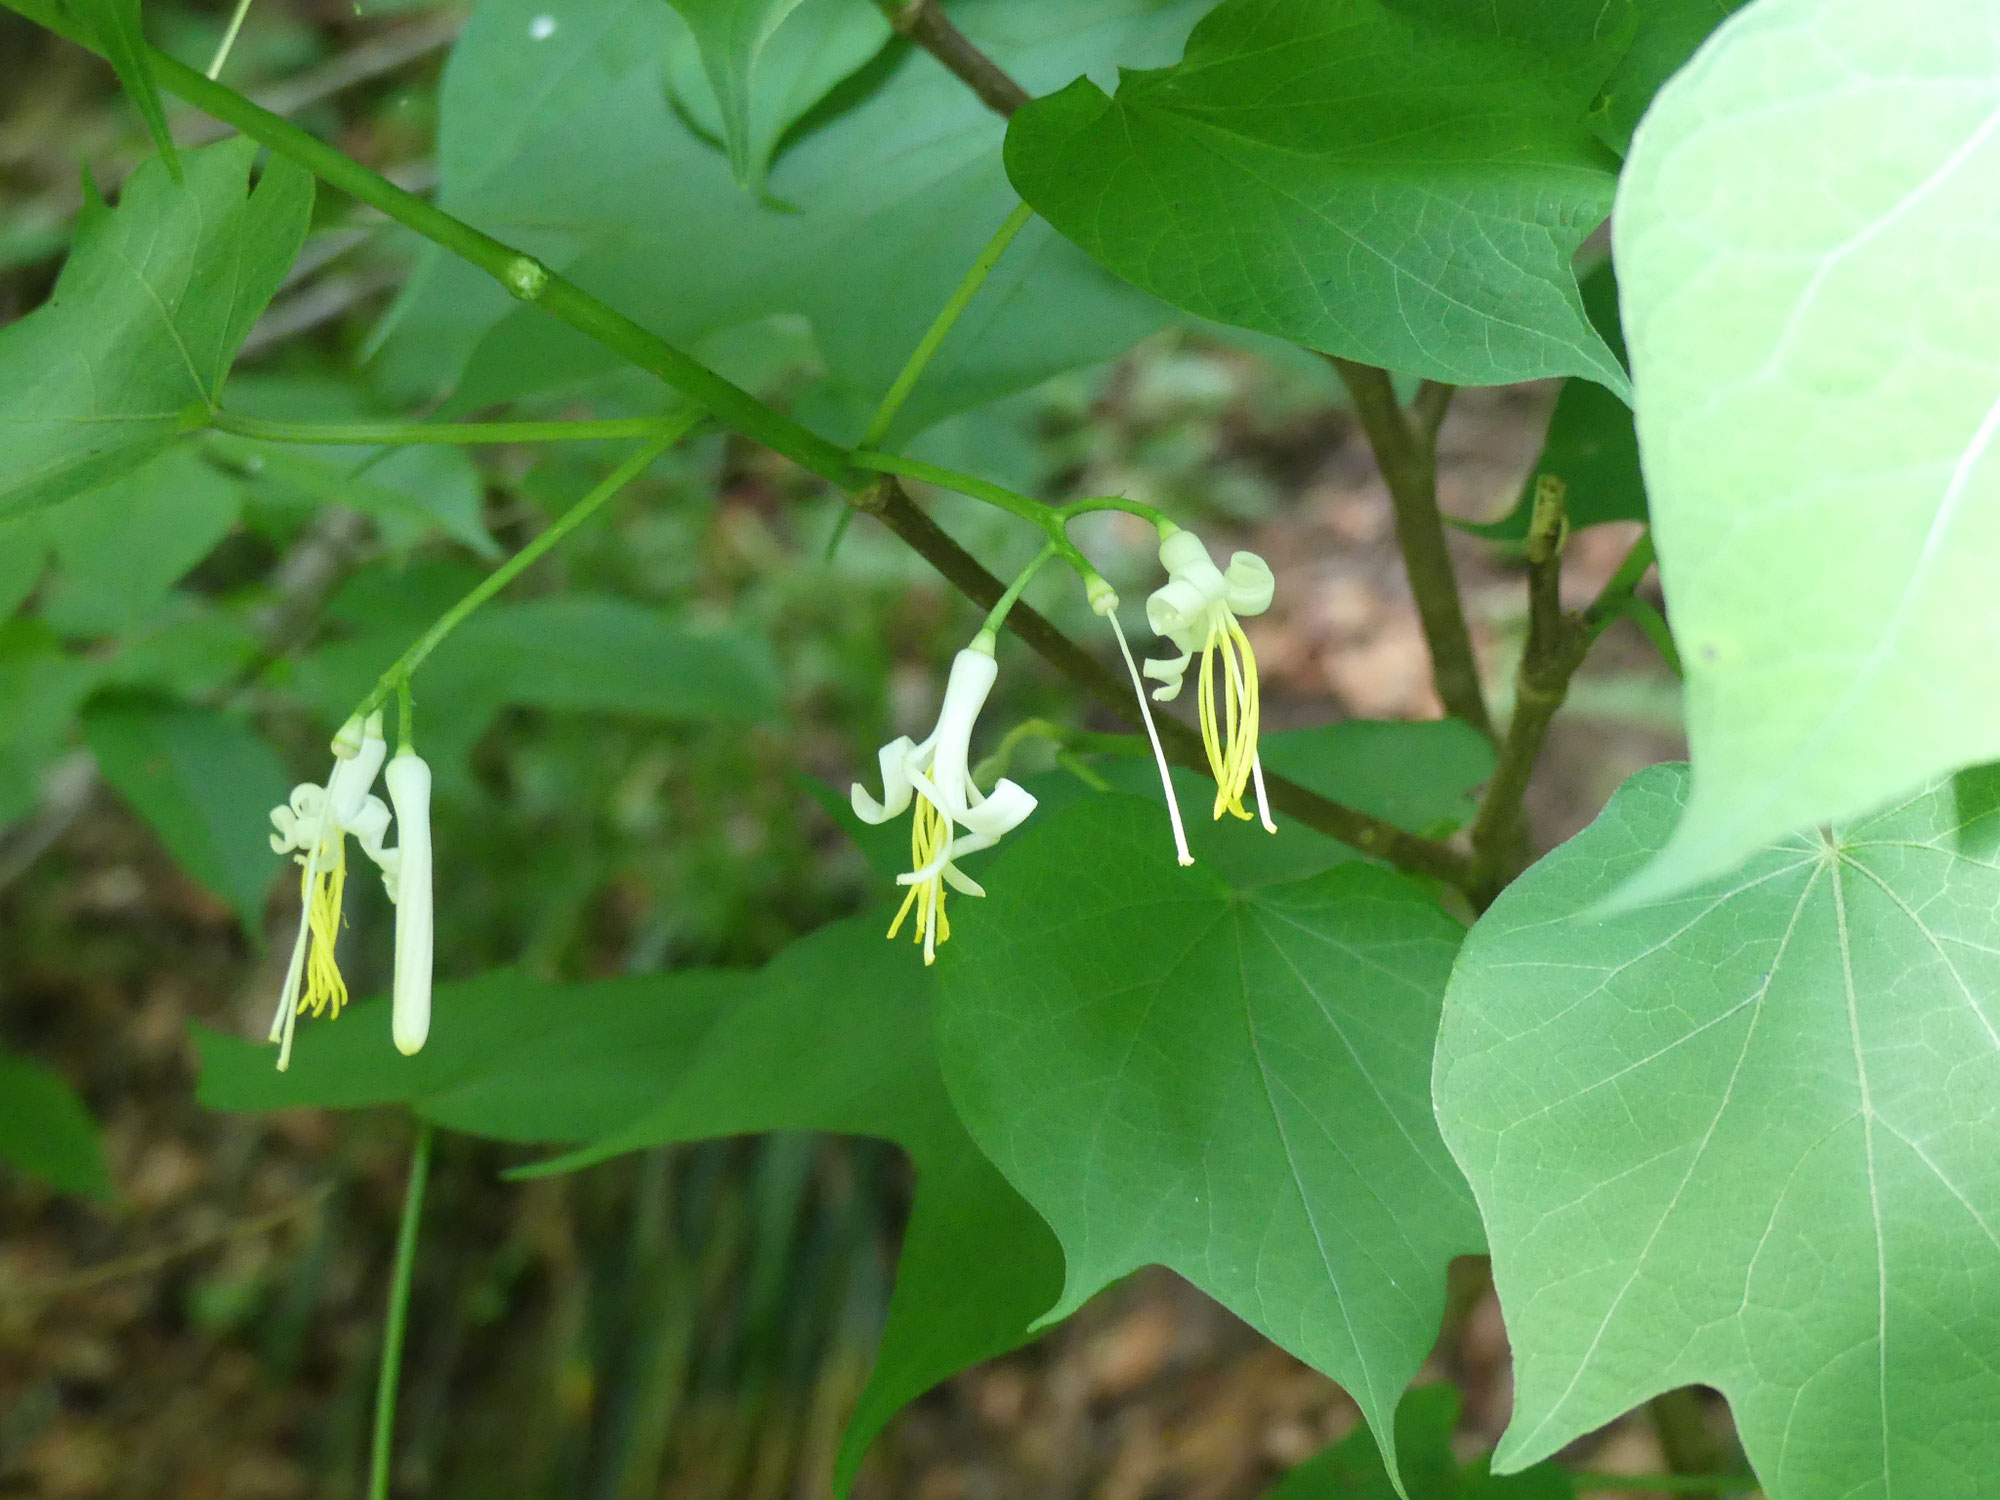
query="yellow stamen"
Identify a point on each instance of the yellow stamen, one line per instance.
(1231, 743)
(324, 987)
(929, 829)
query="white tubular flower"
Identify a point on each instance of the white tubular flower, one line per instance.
(936, 775)
(1197, 608)
(312, 825)
(408, 876)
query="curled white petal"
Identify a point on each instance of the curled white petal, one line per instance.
(1248, 584)
(1002, 811)
(895, 762)
(409, 783)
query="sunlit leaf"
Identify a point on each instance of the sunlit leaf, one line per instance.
(1747, 1138)
(1801, 238)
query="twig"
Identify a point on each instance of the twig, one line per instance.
(152, 1260)
(925, 24)
(1405, 447)
(1557, 642)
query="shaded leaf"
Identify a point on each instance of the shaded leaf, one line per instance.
(1592, 445)
(1746, 1138)
(205, 781)
(1429, 232)
(44, 1129)
(766, 63)
(1819, 390)
(1234, 1084)
(150, 308)
(1352, 1468)
(565, 144)
(120, 550)
(1667, 34)
(116, 25)
(834, 1035)
(41, 688)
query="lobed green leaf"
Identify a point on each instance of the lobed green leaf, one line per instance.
(145, 319)
(1232, 1083)
(1746, 1138)
(1400, 182)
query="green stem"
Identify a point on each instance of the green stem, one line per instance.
(1048, 517)
(514, 566)
(906, 379)
(371, 434)
(1044, 516)
(397, 1320)
(520, 273)
(997, 616)
(1139, 508)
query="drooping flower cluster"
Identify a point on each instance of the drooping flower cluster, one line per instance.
(313, 826)
(937, 776)
(1198, 609)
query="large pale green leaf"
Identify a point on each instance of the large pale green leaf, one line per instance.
(157, 295)
(1352, 1468)
(835, 1035)
(204, 780)
(1746, 1138)
(564, 141)
(45, 1129)
(1401, 182)
(765, 63)
(1801, 239)
(1231, 1083)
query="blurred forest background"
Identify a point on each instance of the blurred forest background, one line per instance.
(692, 1322)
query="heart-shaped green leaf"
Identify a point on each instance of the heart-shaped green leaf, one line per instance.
(1747, 1138)
(1401, 182)
(1234, 1084)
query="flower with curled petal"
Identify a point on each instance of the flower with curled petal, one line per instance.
(1198, 609)
(936, 775)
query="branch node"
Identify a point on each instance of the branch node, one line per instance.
(525, 277)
